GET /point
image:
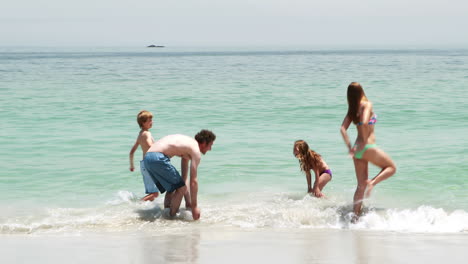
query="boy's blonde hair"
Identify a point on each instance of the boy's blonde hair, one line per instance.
(143, 116)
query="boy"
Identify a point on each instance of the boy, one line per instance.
(145, 140)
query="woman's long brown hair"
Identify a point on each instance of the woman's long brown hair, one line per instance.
(308, 159)
(355, 96)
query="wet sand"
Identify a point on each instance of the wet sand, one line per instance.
(229, 245)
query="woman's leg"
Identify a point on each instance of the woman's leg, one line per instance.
(361, 168)
(379, 158)
(324, 178)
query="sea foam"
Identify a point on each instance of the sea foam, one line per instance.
(126, 213)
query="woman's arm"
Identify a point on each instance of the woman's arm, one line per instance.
(366, 113)
(343, 130)
(309, 182)
(316, 189)
(365, 117)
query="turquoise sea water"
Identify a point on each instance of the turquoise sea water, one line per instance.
(68, 121)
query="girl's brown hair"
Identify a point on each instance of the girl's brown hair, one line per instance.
(355, 96)
(308, 159)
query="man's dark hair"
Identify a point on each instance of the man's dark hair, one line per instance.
(205, 136)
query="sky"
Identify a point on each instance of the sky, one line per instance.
(318, 23)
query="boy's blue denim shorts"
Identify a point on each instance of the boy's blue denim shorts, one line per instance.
(164, 174)
(150, 186)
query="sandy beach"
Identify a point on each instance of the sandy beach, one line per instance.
(237, 246)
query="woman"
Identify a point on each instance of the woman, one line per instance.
(365, 150)
(311, 160)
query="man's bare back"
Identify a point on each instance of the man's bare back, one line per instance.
(177, 145)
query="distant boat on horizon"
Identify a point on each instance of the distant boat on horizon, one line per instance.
(155, 46)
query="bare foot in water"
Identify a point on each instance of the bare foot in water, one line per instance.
(150, 197)
(354, 219)
(369, 188)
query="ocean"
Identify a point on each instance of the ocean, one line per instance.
(68, 121)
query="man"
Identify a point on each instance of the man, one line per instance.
(166, 176)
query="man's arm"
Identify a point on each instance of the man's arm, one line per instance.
(184, 166)
(194, 186)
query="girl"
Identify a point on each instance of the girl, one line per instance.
(365, 150)
(311, 160)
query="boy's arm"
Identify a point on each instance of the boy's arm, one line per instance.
(132, 151)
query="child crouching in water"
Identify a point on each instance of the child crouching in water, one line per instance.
(311, 160)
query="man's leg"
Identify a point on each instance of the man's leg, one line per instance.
(176, 199)
(167, 200)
